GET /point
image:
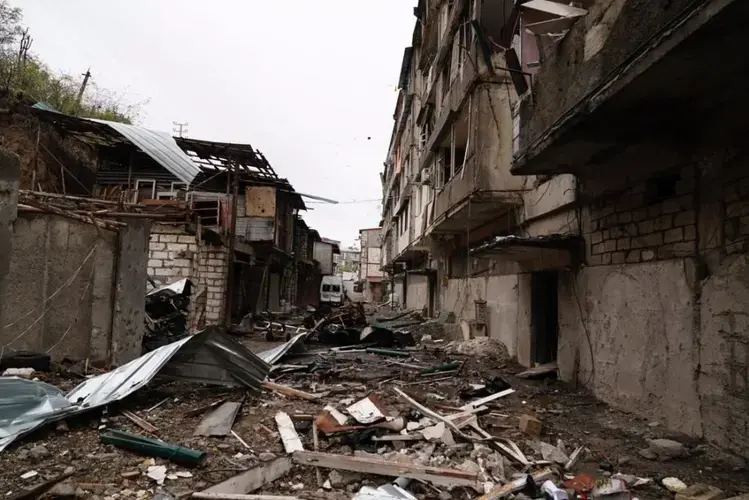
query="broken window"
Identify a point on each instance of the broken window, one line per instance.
(145, 189)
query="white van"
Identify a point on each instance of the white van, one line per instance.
(331, 290)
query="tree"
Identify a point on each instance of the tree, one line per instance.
(21, 71)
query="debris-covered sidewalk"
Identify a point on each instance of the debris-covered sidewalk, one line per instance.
(390, 407)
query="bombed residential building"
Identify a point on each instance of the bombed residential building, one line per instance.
(576, 175)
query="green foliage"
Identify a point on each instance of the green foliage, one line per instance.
(21, 71)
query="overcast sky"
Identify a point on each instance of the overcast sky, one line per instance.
(306, 82)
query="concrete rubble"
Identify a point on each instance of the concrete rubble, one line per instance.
(381, 417)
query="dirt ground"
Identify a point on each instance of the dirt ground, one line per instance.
(612, 438)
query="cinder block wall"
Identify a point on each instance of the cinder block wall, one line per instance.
(175, 254)
(658, 320)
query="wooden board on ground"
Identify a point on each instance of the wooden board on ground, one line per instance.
(219, 421)
(437, 476)
(289, 436)
(254, 479)
(539, 371)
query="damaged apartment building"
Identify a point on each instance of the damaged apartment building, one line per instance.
(570, 179)
(240, 240)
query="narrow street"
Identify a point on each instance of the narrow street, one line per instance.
(459, 249)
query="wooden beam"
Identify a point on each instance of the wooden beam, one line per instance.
(253, 479)
(437, 476)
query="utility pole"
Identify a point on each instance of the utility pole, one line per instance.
(86, 77)
(180, 128)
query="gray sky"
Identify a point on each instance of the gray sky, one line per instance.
(306, 82)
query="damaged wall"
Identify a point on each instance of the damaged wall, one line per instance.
(661, 306)
(175, 254)
(10, 172)
(70, 289)
(417, 291)
(501, 296)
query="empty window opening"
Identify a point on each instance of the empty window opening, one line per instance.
(661, 188)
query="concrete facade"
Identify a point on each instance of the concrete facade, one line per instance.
(87, 298)
(10, 173)
(645, 302)
(370, 266)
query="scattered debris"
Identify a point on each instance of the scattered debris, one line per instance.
(154, 447)
(177, 360)
(674, 485)
(365, 411)
(700, 492)
(289, 436)
(19, 372)
(666, 449)
(539, 371)
(253, 479)
(444, 477)
(166, 313)
(219, 421)
(530, 425)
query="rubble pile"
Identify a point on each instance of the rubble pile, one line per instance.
(362, 417)
(166, 315)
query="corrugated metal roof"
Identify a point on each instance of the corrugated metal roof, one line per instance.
(160, 146)
(207, 357)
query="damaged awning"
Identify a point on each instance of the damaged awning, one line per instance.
(209, 357)
(551, 252)
(543, 17)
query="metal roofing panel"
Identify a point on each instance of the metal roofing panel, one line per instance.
(160, 146)
(219, 359)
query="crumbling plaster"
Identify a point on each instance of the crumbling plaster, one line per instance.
(657, 354)
(566, 76)
(501, 296)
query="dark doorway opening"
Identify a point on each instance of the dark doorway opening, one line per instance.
(544, 316)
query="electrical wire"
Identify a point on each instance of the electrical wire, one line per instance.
(77, 311)
(54, 294)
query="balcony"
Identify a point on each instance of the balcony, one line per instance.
(472, 177)
(655, 74)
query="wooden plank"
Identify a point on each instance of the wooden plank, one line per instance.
(487, 399)
(254, 479)
(437, 476)
(235, 496)
(219, 421)
(143, 424)
(517, 485)
(539, 371)
(432, 414)
(202, 409)
(399, 437)
(290, 391)
(290, 438)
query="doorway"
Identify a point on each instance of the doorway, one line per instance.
(544, 316)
